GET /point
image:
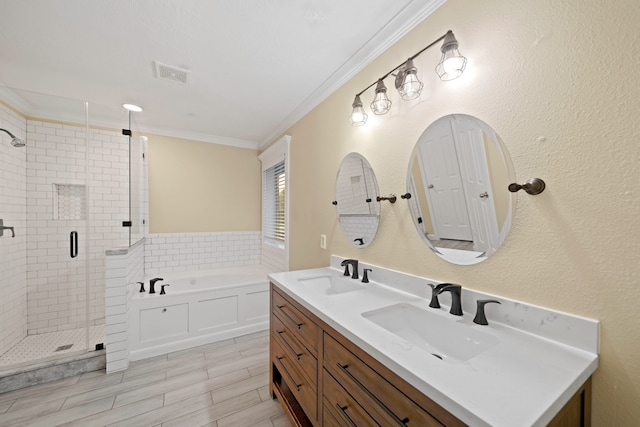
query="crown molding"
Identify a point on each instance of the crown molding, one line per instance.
(403, 22)
(198, 136)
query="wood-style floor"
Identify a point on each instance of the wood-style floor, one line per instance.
(216, 385)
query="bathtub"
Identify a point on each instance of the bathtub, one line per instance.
(198, 308)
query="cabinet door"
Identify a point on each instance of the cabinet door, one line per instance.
(164, 322)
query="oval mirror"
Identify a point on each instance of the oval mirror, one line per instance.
(356, 205)
(458, 177)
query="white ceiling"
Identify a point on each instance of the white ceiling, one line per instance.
(255, 66)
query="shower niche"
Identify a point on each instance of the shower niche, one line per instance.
(69, 202)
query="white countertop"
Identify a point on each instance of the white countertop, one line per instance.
(524, 380)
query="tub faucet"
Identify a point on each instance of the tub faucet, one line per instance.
(456, 291)
(354, 266)
(4, 227)
(152, 283)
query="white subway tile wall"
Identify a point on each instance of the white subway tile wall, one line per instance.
(166, 253)
(274, 256)
(13, 212)
(56, 282)
(121, 272)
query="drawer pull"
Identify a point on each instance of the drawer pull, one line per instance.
(298, 355)
(342, 410)
(344, 369)
(293, 319)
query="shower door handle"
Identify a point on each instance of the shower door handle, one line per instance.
(73, 244)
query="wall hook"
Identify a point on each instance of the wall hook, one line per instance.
(391, 198)
(533, 186)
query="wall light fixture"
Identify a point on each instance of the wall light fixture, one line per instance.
(451, 66)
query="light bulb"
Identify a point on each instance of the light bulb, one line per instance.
(358, 116)
(407, 82)
(381, 103)
(451, 63)
(411, 87)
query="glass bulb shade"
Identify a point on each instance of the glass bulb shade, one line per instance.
(451, 64)
(358, 116)
(381, 103)
(411, 87)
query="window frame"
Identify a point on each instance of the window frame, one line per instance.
(274, 154)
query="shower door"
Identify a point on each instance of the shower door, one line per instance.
(54, 295)
(72, 184)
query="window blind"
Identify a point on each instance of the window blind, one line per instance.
(274, 202)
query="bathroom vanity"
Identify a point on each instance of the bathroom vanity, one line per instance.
(339, 356)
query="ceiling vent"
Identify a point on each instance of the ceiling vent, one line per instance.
(174, 74)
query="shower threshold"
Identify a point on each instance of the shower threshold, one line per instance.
(38, 359)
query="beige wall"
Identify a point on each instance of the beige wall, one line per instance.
(201, 187)
(558, 81)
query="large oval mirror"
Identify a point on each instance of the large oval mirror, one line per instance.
(458, 177)
(356, 205)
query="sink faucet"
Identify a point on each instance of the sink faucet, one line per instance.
(435, 291)
(152, 283)
(456, 291)
(354, 265)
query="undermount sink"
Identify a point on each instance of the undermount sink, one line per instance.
(332, 284)
(444, 338)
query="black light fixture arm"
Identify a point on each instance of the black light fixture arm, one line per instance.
(396, 68)
(391, 198)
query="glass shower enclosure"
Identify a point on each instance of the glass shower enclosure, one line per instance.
(66, 194)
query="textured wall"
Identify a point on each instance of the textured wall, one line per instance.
(558, 82)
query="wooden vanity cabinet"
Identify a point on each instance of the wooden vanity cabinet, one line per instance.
(322, 379)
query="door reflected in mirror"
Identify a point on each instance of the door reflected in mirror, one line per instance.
(356, 205)
(458, 174)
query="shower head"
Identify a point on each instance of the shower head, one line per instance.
(15, 141)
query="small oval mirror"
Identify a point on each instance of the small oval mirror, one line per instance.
(356, 205)
(459, 173)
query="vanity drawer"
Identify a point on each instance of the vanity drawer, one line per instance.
(298, 323)
(340, 408)
(379, 397)
(291, 348)
(303, 390)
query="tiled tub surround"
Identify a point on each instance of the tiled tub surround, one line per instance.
(541, 359)
(169, 255)
(175, 252)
